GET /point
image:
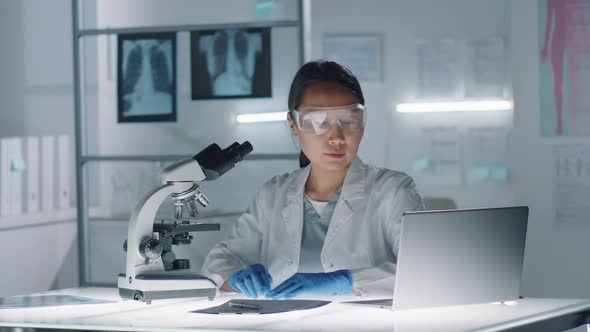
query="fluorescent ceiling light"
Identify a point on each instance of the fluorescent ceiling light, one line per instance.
(457, 106)
(261, 117)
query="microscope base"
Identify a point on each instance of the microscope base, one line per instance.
(162, 287)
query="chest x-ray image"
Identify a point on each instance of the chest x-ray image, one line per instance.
(146, 77)
(231, 63)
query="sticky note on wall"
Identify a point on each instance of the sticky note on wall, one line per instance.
(480, 172)
(421, 163)
(264, 9)
(499, 173)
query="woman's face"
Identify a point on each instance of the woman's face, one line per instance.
(336, 148)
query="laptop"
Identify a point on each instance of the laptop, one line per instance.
(456, 257)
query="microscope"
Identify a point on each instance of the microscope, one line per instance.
(152, 269)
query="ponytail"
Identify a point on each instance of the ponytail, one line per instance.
(303, 160)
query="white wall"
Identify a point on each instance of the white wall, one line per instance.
(12, 67)
(556, 255)
(36, 99)
(39, 82)
(200, 123)
(393, 139)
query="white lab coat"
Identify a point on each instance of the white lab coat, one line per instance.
(363, 234)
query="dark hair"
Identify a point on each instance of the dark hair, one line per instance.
(321, 72)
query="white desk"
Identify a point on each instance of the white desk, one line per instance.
(174, 315)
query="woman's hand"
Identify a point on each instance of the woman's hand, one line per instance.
(337, 282)
(252, 281)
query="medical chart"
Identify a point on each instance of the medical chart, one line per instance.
(571, 183)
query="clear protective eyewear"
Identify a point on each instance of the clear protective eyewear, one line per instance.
(318, 120)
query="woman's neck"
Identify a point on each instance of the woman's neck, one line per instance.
(322, 184)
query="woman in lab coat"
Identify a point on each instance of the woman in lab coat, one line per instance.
(330, 227)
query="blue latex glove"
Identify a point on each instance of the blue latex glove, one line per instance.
(252, 281)
(337, 282)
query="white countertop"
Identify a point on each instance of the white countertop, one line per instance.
(175, 315)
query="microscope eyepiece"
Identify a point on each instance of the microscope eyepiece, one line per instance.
(238, 151)
(215, 162)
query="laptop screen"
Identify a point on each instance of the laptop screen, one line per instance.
(454, 257)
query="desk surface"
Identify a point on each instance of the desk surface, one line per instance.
(174, 315)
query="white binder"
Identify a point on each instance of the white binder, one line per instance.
(47, 175)
(17, 169)
(64, 169)
(33, 184)
(5, 176)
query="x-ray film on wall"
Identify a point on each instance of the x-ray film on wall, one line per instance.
(146, 81)
(231, 63)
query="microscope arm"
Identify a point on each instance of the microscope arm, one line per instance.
(187, 170)
(141, 225)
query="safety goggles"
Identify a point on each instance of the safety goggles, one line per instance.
(318, 120)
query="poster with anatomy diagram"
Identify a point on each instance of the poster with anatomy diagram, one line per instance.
(564, 67)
